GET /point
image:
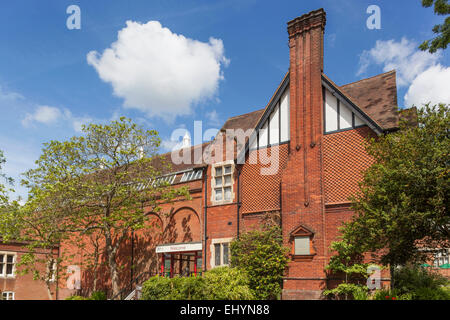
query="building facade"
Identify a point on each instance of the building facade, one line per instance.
(295, 162)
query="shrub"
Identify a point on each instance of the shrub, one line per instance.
(96, 295)
(425, 293)
(410, 278)
(226, 283)
(77, 298)
(263, 257)
(222, 283)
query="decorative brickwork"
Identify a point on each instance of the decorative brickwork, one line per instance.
(344, 161)
(261, 192)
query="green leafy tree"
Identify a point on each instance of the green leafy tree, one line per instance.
(94, 183)
(348, 261)
(263, 257)
(442, 31)
(402, 205)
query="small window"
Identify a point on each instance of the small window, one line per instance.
(8, 295)
(302, 246)
(221, 254)
(441, 258)
(222, 183)
(7, 263)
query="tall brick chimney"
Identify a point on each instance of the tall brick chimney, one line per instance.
(302, 195)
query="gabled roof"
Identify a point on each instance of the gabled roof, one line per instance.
(243, 121)
(377, 97)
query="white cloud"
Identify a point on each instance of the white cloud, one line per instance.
(213, 118)
(43, 114)
(430, 86)
(51, 115)
(426, 80)
(159, 72)
(402, 56)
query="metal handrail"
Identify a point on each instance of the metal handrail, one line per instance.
(130, 287)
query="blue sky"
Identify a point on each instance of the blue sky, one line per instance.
(48, 86)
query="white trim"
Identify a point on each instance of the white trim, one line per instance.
(8, 293)
(212, 259)
(213, 182)
(179, 247)
(4, 275)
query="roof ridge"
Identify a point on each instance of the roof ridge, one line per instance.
(244, 114)
(391, 71)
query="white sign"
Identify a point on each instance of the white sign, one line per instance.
(193, 246)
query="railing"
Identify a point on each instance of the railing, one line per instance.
(130, 288)
(134, 287)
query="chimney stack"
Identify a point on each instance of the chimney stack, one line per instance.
(306, 66)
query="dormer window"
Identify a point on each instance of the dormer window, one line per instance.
(222, 183)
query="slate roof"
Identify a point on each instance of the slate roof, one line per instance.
(377, 97)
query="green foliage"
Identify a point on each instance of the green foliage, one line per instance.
(77, 298)
(403, 198)
(96, 295)
(347, 261)
(263, 257)
(441, 7)
(421, 283)
(348, 291)
(222, 283)
(92, 185)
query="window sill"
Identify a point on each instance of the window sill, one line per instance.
(306, 257)
(221, 203)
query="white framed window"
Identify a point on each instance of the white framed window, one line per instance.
(441, 258)
(8, 295)
(220, 252)
(222, 182)
(301, 246)
(7, 264)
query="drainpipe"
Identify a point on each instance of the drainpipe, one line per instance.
(238, 201)
(205, 238)
(132, 259)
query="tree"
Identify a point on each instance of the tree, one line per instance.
(402, 205)
(349, 262)
(261, 254)
(441, 7)
(95, 183)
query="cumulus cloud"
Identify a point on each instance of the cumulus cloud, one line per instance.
(400, 55)
(431, 86)
(52, 115)
(43, 114)
(426, 80)
(160, 72)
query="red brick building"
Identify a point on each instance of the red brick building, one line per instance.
(300, 160)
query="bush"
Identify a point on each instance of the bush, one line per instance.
(226, 283)
(77, 298)
(421, 283)
(222, 283)
(96, 295)
(263, 257)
